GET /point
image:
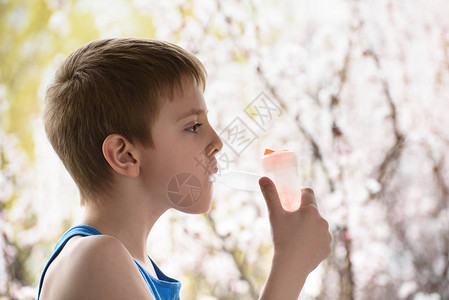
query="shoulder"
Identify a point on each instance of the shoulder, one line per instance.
(96, 267)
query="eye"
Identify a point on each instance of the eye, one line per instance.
(193, 128)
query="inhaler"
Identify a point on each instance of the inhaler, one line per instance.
(281, 166)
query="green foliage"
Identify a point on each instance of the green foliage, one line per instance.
(22, 31)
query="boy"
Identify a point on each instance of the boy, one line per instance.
(126, 117)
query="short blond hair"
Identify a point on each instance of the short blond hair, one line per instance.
(111, 86)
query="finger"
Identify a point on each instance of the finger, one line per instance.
(270, 194)
(308, 197)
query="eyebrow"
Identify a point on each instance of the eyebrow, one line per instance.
(193, 111)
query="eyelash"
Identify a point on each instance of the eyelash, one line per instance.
(197, 125)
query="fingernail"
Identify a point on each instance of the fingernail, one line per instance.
(307, 189)
(264, 181)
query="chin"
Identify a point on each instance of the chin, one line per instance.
(202, 205)
(196, 210)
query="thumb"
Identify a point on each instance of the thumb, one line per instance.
(271, 195)
(307, 197)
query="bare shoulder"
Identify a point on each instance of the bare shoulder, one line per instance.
(95, 267)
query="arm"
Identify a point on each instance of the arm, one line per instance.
(301, 241)
(284, 281)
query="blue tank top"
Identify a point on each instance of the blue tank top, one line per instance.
(162, 287)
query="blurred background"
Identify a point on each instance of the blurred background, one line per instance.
(358, 89)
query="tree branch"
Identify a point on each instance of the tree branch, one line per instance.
(239, 265)
(386, 169)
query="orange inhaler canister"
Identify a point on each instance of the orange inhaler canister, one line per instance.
(281, 166)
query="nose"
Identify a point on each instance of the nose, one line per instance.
(215, 146)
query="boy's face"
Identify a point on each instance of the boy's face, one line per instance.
(178, 168)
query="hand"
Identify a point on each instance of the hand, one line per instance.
(300, 238)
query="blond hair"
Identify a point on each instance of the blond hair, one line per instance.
(111, 86)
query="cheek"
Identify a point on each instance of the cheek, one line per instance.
(193, 162)
(183, 152)
(188, 151)
(188, 160)
(185, 176)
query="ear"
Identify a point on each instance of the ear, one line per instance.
(121, 155)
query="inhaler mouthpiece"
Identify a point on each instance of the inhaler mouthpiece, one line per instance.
(240, 180)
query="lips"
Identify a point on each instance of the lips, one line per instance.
(214, 167)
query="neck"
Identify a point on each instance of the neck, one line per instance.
(129, 221)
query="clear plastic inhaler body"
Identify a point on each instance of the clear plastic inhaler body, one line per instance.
(281, 166)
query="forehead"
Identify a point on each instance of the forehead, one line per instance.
(184, 103)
